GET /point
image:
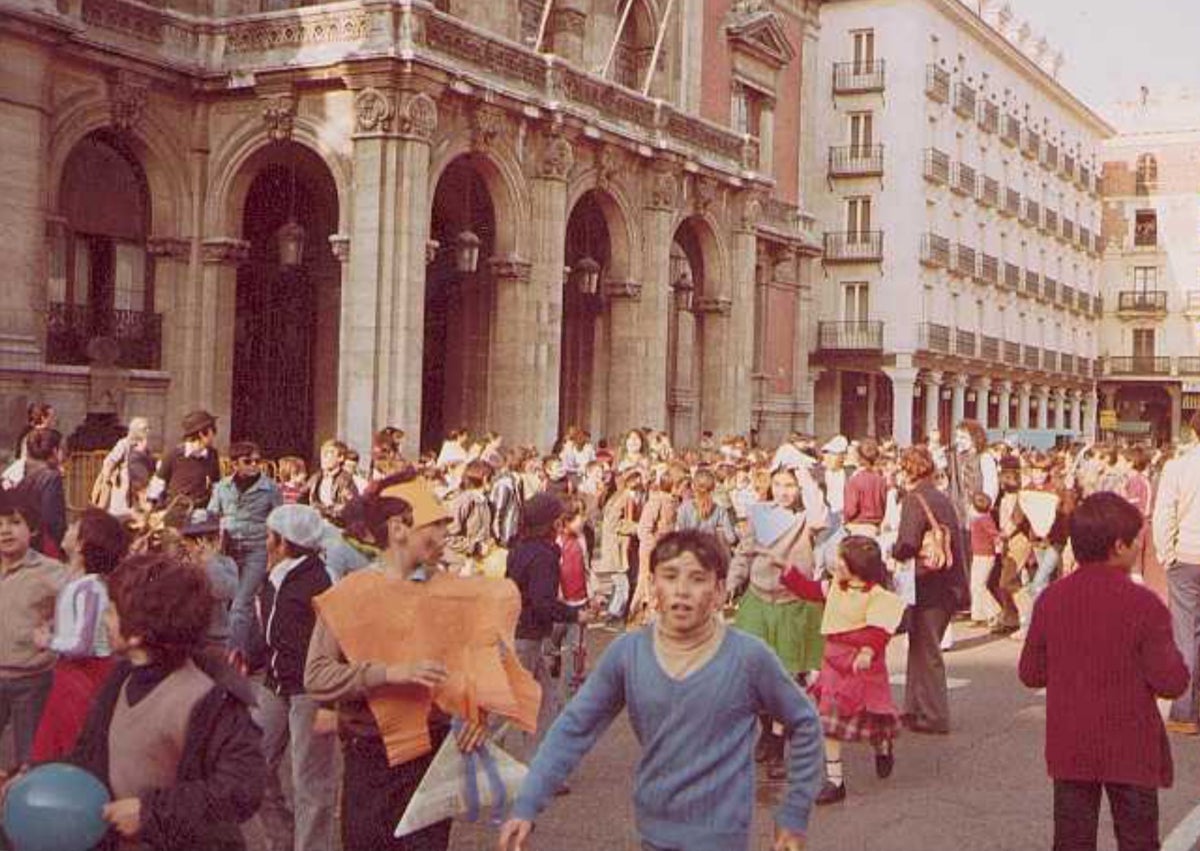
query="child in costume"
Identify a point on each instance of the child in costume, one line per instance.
(852, 692)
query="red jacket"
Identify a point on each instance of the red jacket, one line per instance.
(1101, 646)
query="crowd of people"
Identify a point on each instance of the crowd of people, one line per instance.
(779, 572)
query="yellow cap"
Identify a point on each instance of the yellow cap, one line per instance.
(426, 507)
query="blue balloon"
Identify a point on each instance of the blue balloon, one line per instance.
(55, 807)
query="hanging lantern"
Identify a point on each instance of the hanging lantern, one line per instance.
(290, 237)
(587, 276)
(466, 252)
(684, 290)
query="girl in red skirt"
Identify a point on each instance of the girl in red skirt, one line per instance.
(94, 546)
(852, 692)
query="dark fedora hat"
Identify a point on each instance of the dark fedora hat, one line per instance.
(196, 422)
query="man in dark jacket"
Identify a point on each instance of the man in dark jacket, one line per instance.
(189, 470)
(534, 565)
(42, 488)
(285, 712)
(170, 732)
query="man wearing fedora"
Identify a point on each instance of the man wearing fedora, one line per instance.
(190, 469)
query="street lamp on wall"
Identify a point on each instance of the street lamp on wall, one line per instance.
(587, 276)
(290, 236)
(684, 290)
(466, 252)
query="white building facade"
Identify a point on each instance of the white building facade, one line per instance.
(1151, 328)
(956, 179)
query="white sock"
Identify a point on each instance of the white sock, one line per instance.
(833, 772)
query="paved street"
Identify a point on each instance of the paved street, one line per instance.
(983, 787)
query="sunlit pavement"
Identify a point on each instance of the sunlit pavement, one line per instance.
(983, 787)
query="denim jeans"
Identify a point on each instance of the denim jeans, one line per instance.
(620, 595)
(1183, 590)
(308, 825)
(532, 655)
(245, 631)
(22, 700)
(1077, 815)
(1047, 558)
(565, 640)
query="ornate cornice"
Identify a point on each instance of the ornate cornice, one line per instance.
(168, 246)
(290, 32)
(279, 115)
(225, 251)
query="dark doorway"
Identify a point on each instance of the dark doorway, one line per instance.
(587, 240)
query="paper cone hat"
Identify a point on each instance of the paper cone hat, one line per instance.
(426, 507)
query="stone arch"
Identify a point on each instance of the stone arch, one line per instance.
(234, 165)
(506, 186)
(154, 145)
(713, 254)
(619, 217)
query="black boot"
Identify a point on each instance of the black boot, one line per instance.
(832, 793)
(885, 761)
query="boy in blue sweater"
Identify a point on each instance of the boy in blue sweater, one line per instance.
(694, 691)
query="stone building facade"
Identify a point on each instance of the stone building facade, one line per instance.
(321, 218)
(957, 181)
(1151, 329)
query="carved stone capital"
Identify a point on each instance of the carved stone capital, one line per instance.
(704, 193)
(714, 305)
(279, 116)
(509, 269)
(373, 111)
(339, 244)
(609, 162)
(127, 95)
(168, 246)
(417, 117)
(557, 158)
(751, 214)
(488, 125)
(627, 290)
(225, 251)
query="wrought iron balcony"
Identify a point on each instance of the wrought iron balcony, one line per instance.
(1068, 167)
(1097, 305)
(964, 343)
(1032, 214)
(1031, 143)
(1012, 353)
(989, 269)
(1049, 157)
(989, 117)
(1049, 289)
(1067, 363)
(1031, 357)
(1069, 298)
(934, 338)
(1142, 301)
(850, 336)
(1033, 283)
(937, 166)
(989, 348)
(964, 100)
(1139, 365)
(71, 327)
(964, 181)
(964, 261)
(937, 83)
(1012, 277)
(856, 161)
(1189, 365)
(858, 77)
(989, 191)
(1049, 360)
(854, 247)
(1067, 231)
(1050, 222)
(1010, 131)
(1012, 203)
(935, 250)
(1085, 238)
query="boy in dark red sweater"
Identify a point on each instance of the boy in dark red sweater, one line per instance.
(1101, 645)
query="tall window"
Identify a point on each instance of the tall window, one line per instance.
(1147, 174)
(749, 104)
(1145, 278)
(1143, 342)
(855, 302)
(864, 50)
(861, 133)
(858, 218)
(1145, 228)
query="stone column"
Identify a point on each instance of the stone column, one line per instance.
(739, 363)
(716, 397)
(1089, 416)
(382, 332)
(904, 380)
(1077, 412)
(872, 394)
(1110, 396)
(211, 361)
(657, 305)
(804, 380)
(958, 400)
(1060, 407)
(1043, 394)
(983, 389)
(1004, 405)
(1175, 391)
(933, 401)
(512, 361)
(1024, 395)
(173, 303)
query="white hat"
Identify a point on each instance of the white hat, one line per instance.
(300, 525)
(838, 446)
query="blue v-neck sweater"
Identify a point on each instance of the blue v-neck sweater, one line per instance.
(694, 784)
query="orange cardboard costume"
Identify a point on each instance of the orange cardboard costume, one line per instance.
(466, 624)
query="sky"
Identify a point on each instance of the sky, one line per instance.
(1113, 47)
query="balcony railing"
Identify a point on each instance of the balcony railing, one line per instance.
(989, 348)
(1031, 357)
(1085, 238)
(858, 77)
(937, 83)
(934, 338)
(964, 179)
(1032, 214)
(1142, 301)
(1033, 283)
(989, 191)
(964, 100)
(850, 336)
(1012, 277)
(1067, 363)
(1069, 298)
(1189, 365)
(1031, 143)
(1049, 361)
(854, 247)
(1084, 178)
(937, 166)
(1139, 365)
(1050, 222)
(70, 327)
(989, 269)
(989, 117)
(1050, 156)
(1049, 289)
(1097, 305)
(1010, 131)
(964, 344)
(1012, 353)
(856, 161)
(1012, 203)
(1067, 232)
(964, 261)
(935, 250)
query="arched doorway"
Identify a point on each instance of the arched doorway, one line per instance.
(458, 304)
(286, 326)
(101, 278)
(588, 259)
(684, 335)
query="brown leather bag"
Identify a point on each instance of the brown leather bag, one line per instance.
(937, 548)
